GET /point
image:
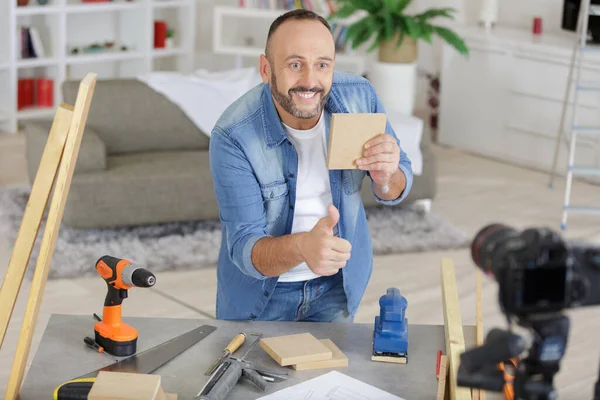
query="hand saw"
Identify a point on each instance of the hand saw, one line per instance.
(142, 363)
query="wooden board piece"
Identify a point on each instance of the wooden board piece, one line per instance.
(442, 381)
(478, 394)
(295, 349)
(455, 341)
(337, 360)
(348, 134)
(53, 223)
(33, 215)
(126, 386)
(394, 360)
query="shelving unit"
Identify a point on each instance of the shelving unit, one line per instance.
(251, 42)
(67, 27)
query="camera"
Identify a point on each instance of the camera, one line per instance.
(539, 276)
(537, 272)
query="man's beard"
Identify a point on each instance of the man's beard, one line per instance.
(287, 102)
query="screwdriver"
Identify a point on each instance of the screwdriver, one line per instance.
(91, 343)
(235, 344)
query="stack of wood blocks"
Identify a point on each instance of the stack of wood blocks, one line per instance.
(304, 351)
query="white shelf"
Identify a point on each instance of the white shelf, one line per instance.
(65, 24)
(104, 57)
(37, 10)
(35, 112)
(157, 53)
(103, 7)
(357, 61)
(37, 62)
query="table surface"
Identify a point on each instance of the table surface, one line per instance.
(62, 355)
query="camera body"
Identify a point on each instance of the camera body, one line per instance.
(536, 270)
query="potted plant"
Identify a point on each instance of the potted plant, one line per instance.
(394, 33)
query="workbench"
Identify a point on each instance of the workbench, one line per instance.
(62, 355)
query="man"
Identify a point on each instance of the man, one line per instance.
(296, 243)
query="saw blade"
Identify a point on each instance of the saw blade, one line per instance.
(150, 360)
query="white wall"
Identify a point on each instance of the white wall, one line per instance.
(515, 13)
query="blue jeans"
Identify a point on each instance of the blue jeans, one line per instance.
(317, 300)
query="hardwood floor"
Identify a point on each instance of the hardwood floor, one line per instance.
(473, 192)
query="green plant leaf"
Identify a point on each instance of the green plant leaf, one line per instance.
(388, 26)
(391, 5)
(426, 31)
(359, 32)
(380, 36)
(412, 27)
(436, 12)
(403, 4)
(452, 39)
(400, 23)
(371, 6)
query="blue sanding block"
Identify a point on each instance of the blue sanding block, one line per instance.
(390, 336)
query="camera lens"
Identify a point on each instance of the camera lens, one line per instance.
(487, 244)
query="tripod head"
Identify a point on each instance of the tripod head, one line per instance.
(539, 276)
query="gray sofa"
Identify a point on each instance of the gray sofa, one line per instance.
(143, 161)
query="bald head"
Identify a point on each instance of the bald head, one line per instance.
(290, 16)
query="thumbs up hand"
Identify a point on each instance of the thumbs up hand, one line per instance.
(324, 253)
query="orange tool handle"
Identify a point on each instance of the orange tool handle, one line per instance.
(235, 343)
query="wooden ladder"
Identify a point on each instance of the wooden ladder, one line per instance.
(55, 170)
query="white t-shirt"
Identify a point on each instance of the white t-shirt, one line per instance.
(313, 191)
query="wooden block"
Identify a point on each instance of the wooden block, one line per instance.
(338, 359)
(126, 386)
(455, 342)
(441, 392)
(295, 349)
(348, 134)
(394, 360)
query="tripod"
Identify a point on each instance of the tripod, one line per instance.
(534, 378)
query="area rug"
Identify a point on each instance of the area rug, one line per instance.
(192, 245)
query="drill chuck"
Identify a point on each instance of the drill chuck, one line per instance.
(132, 275)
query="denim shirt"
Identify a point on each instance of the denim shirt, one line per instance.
(254, 168)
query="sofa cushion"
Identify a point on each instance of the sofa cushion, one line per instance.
(144, 189)
(131, 117)
(91, 155)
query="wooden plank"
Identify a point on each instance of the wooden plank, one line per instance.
(53, 222)
(33, 215)
(442, 382)
(295, 349)
(455, 341)
(338, 359)
(348, 135)
(477, 393)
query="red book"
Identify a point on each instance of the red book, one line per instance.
(25, 93)
(160, 34)
(44, 92)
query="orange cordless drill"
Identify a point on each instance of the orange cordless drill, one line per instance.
(112, 333)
